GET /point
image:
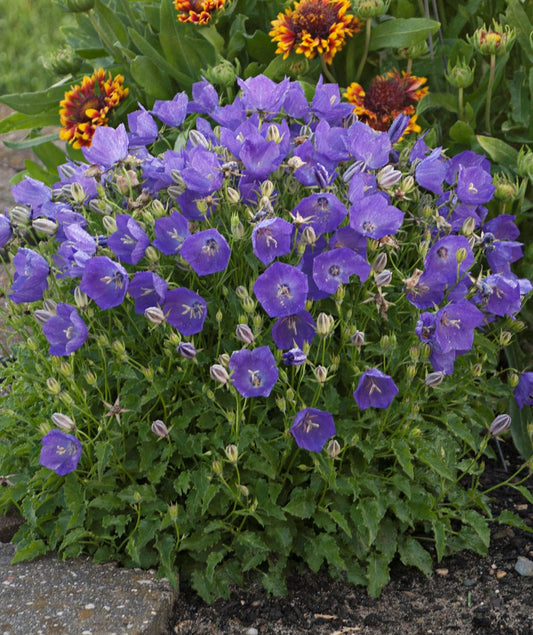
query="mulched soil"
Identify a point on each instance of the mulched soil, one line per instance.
(466, 593)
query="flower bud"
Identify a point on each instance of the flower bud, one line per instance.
(42, 316)
(158, 209)
(222, 74)
(514, 379)
(63, 422)
(366, 9)
(321, 374)
(460, 75)
(500, 424)
(159, 429)
(232, 453)
(20, 216)
(333, 449)
(384, 278)
(119, 347)
(477, 370)
(309, 235)
(244, 333)
(242, 489)
(460, 255)
(219, 373)
(233, 195)
(505, 338)
(53, 385)
(411, 372)
(80, 298)
(66, 398)
(44, 226)
(494, 40)
(434, 379)
(223, 358)
(358, 339)
(273, 134)
(324, 324)
(267, 188)
(469, 226)
(281, 404)
(90, 378)
(414, 353)
(217, 468)
(187, 350)
(154, 314)
(524, 162)
(248, 304)
(152, 254)
(380, 262)
(295, 163)
(197, 138)
(110, 224)
(44, 428)
(388, 176)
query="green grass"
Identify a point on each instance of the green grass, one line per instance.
(29, 32)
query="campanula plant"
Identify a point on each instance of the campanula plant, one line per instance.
(257, 351)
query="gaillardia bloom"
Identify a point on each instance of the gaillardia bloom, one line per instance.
(87, 106)
(314, 26)
(389, 95)
(61, 452)
(197, 11)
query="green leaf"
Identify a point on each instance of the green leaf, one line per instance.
(437, 100)
(513, 520)
(401, 32)
(403, 454)
(499, 151)
(478, 523)
(32, 142)
(151, 78)
(302, 504)
(111, 24)
(20, 121)
(377, 573)
(38, 103)
(156, 58)
(519, 20)
(341, 521)
(462, 132)
(520, 430)
(461, 431)
(526, 493)
(412, 554)
(439, 530)
(430, 457)
(28, 550)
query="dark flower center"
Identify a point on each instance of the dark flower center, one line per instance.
(386, 95)
(314, 16)
(368, 226)
(442, 253)
(255, 378)
(284, 291)
(334, 270)
(91, 102)
(210, 247)
(322, 204)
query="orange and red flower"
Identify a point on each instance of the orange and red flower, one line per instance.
(87, 106)
(197, 11)
(389, 95)
(314, 27)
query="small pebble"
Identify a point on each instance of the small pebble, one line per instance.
(441, 571)
(524, 566)
(470, 582)
(252, 631)
(501, 574)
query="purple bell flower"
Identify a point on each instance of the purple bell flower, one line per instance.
(334, 267)
(109, 146)
(104, 281)
(261, 94)
(30, 280)
(294, 330)
(143, 128)
(185, 310)
(431, 171)
(441, 260)
(327, 104)
(172, 112)
(130, 241)
(311, 428)
(523, 392)
(272, 238)
(206, 251)
(373, 217)
(148, 289)
(455, 324)
(61, 452)
(65, 331)
(474, 185)
(253, 372)
(281, 290)
(32, 193)
(294, 357)
(375, 390)
(5, 230)
(322, 211)
(368, 145)
(499, 294)
(171, 232)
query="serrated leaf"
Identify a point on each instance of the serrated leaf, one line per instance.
(478, 523)
(377, 573)
(372, 511)
(402, 32)
(29, 550)
(513, 520)
(439, 531)
(301, 505)
(435, 462)
(412, 554)
(341, 521)
(403, 454)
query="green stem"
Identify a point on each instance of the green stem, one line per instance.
(362, 61)
(326, 70)
(489, 92)
(461, 104)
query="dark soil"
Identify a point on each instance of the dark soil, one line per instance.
(466, 593)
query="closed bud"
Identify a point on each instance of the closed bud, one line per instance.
(243, 489)
(20, 216)
(524, 162)
(469, 226)
(63, 422)
(257, 322)
(289, 394)
(358, 339)
(66, 369)
(321, 374)
(154, 314)
(175, 175)
(333, 449)
(90, 378)
(309, 235)
(219, 373)
(32, 345)
(148, 373)
(380, 262)
(119, 347)
(248, 304)
(198, 139)
(340, 294)
(223, 359)
(53, 385)
(42, 316)
(506, 189)
(384, 278)
(187, 350)
(295, 163)
(151, 254)
(159, 429)
(80, 298)
(233, 195)
(217, 468)
(366, 9)
(78, 193)
(50, 306)
(414, 353)
(44, 428)
(267, 187)
(461, 255)
(281, 404)
(222, 74)
(494, 40)
(158, 209)
(411, 372)
(273, 134)
(408, 184)
(514, 378)
(232, 453)
(434, 379)
(44, 226)
(477, 370)
(500, 424)
(244, 333)
(324, 324)
(460, 75)
(241, 292)
(388, 176)
(425, 350)
(66, 398)
(110, 224)
(505, 338)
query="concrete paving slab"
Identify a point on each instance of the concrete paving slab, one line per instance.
(77, 597)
